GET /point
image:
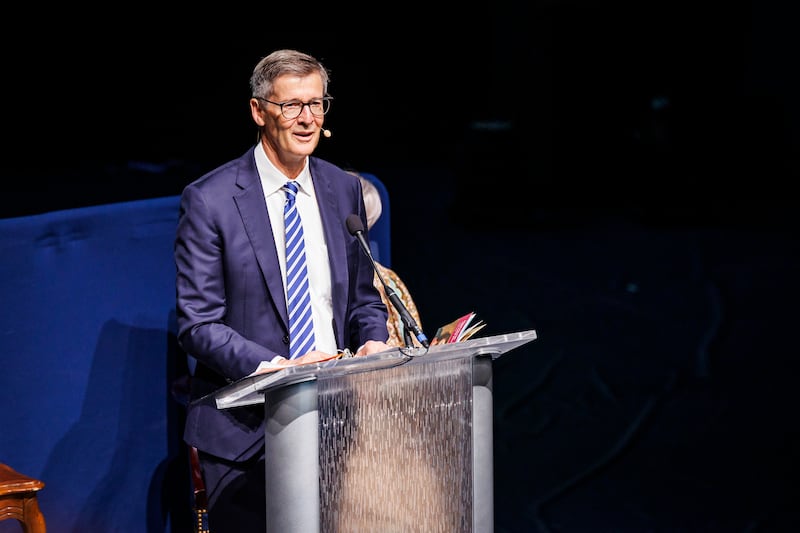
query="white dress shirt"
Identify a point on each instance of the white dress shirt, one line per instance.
(319, 272)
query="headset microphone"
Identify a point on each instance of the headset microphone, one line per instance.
(326, 133)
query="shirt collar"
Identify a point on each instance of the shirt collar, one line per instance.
(273, 179)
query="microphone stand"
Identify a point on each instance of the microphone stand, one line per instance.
(408, 338)
(356, 229)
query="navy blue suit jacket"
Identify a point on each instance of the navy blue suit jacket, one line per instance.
(231, 308)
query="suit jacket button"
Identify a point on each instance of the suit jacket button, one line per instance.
(286, 339)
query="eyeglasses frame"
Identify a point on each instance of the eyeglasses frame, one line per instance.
(303, 104)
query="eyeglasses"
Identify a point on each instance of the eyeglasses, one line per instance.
(293, 108)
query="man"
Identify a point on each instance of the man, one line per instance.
(230, 254)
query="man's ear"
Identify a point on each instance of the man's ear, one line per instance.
(257, 113)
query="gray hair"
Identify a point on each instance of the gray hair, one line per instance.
(372, 200)
(281, 62)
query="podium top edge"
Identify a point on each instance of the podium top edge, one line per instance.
(251, 389)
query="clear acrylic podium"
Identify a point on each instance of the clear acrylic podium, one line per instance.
(393, 442)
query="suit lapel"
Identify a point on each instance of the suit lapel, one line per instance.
(253, 210)
(334, 228)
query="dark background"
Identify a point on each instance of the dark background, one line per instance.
(645, 102)
(660, 395)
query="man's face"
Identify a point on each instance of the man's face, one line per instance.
(292, 139)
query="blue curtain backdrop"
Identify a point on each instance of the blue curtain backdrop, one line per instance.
(89, 353)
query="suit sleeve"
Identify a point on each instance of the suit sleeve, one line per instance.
(201, 293)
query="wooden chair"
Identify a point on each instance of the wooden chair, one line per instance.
(199, 490)
(180, 392)
(18, 499)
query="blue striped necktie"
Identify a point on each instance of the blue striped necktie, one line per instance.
(301, 326)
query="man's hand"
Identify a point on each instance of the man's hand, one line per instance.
(314, 356)
(279, 363)
(371, 347)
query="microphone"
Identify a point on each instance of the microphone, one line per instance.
(356, 229)
(326, 133)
